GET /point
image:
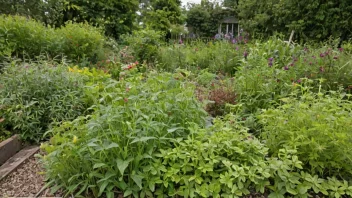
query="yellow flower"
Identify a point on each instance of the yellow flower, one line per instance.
(70, 69)
(75, 139)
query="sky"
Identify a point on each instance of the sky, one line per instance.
(184, 2)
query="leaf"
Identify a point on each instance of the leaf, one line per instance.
(112, 145)
(98, 165)
(122, 165)
(174, 129)
(142, 139)
(102, 187)
(127, 193)
(152, 186)
(138, 180)
(110, 194)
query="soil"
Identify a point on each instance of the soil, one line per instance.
(26, 181)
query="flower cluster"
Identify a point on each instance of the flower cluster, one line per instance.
(130, 66)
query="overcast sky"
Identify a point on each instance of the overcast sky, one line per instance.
(184, 2)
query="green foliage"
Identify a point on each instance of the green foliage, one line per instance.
(226, 161)
(4, 134)
(318, 126)
(32, 96)
(273, 68)
(220, 161)
(313, 19)
(216, 57)
(108, 151)
(81, 41)
(144, 44)
(204, 18)
(117, 17)
(26, 37)
(29, 8)
(205, 78)
(162, 14)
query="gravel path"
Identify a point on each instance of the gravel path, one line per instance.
(26, 181)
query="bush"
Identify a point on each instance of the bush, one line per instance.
(226, 161)
(81, 41)
(35, 95)
(272, 68)
(217, 56)
(318, 126)
(144, 44)
(133, 119)
(24, 37)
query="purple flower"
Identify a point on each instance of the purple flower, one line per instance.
(341, 49)
(299, 81)
(335, 57)
(286, 68)
(245, 54)
(322, 55)
(270, 64)
(321, 69)
(237, 48)
(292, 64)
(271, 59)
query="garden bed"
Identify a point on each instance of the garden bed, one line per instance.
(9, 147)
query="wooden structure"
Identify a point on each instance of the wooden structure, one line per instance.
(231, 24)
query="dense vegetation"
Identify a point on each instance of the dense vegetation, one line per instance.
(141, 117)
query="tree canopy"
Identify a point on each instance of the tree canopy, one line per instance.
(311, 19)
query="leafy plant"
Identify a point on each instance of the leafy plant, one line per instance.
(144, 44)
(318, 126)
(226, 161)
(133, 119)
(28, 38)
(33, 96)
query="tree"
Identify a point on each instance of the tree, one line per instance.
(162, 14)
(204, 18)
(311, 19)
(29, 8)
(116, 16)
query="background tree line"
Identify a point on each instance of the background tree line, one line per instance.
(311, 19)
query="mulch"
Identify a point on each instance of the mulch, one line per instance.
(26, 181)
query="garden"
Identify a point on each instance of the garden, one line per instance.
(141, 117)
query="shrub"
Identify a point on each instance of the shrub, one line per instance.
(144, 44)
(81, 41)
(272, 68)
(24, 37)
(217, 56)
(318, 126)
(134, 118)
(32, 96)
(226, 161)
